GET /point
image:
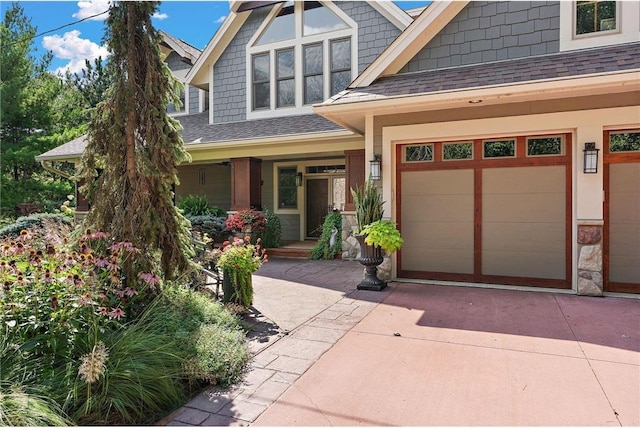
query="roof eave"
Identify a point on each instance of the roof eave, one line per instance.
(348, 113)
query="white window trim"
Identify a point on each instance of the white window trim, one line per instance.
(627, 27)
(297, 43)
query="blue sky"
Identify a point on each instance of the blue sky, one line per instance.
(192, 21)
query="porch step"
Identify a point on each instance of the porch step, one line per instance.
(289, 253)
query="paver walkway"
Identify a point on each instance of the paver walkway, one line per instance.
(419, 354)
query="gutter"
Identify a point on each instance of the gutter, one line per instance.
(54, 170)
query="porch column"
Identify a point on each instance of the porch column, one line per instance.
(246, 183)
(354, 166)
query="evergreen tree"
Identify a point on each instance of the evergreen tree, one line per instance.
(134, 147)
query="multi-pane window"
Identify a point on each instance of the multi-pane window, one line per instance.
(340, 65)
(287, 189)
(261, 86)
(593, 16)
(301, 56)
(313, 77)
(285, 78)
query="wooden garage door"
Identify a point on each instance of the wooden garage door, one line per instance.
(622, 211)
(492, 211)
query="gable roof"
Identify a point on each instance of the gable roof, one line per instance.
(182, 48)
(197, 132)
(240, 11)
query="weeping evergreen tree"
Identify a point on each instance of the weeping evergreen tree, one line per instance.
(134, 148)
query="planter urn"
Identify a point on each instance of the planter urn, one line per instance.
(370, 257)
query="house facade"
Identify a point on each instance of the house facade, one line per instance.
(509, 134)
(484, 115)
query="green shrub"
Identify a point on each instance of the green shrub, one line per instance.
(214, 226)
(273, 230)
(217, 211)
(194, 205)
(39, 220)
(212, 340)
(383, 234)
(323, 250)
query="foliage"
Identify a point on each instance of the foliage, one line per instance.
(247, 221)
(93, 83)
(192, 205)
(134, 148)
(323, 250)
(625, 142)
(37, 224)
(238, 260)
(139, 380)
(214, 226)
(273, 230)
(368, 203)
(384, 234)
(211, 338)
(21, 408)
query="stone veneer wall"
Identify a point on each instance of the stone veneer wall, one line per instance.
(590, 267)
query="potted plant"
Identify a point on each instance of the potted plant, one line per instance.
(374, 234)
(238, 260)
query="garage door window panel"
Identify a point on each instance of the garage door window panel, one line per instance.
(418, 153)
(457, 151)
(545, 146)
(499, 149)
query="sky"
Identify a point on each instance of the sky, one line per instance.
(195, 22)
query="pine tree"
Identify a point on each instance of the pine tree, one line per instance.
(134, 148)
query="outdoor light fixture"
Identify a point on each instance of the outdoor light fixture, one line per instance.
(375, 171)
(590, 158)
(299, 179)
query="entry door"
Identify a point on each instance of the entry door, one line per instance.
(622, 211)
(317, 195)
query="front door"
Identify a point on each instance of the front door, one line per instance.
(317, 205)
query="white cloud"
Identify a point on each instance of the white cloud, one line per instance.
(73, 48)
(90, 8)
(160, 16)
(221, 19)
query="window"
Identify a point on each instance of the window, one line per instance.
(319, 19)
(340, 65)
(624, 142)
(419, 153)
(261, 89)
(593, 16)
(457, 151)
(544, 146)
(313, 82)
(282, 27)
(285, 76)
(302, 54)
(500, 149)
(287, 189)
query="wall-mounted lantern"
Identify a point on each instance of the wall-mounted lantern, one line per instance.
(590, 158)
(375, 170)
(299, 179)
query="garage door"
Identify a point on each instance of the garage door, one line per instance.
(492, 211)
(622, 211)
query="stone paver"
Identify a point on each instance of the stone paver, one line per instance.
(290, 364)
(244, 410)
(192, 416)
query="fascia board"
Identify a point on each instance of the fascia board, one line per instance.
(216, 46)
(410, 41)
(316, 136)
(393, 13)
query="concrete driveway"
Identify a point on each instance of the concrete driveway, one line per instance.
(419, 354)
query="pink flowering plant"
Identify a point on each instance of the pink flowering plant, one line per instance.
(247, 221)
(53, 295)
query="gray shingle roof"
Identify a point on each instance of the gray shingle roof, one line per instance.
(197, 130)
(565, 64)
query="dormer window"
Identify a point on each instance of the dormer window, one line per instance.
(303, 53)
(594, 16)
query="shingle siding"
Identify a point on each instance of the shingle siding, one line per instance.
(229, 73)
(490, 31)
(375, 32)
(175, 62)
(194, 100)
